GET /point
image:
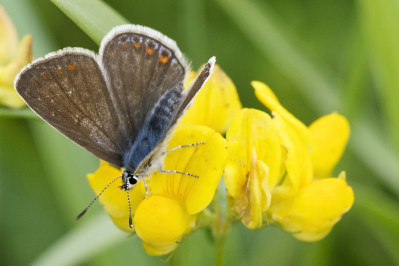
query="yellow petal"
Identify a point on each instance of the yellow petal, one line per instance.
(298, 159)
(205, 161)
(8, 95)
(252, 129)
(215, 105)
(269, 99)
(21, 58)
(259, 196)
(254, 164)
(114, 199)
(8, 37)
(158, 250)
(329, 135)
(312, 212)
(161, 220)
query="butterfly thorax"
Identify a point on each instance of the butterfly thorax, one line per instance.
(139, 151)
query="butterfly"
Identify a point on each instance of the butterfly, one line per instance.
(122, 104)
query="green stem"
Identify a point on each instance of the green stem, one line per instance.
(221, 224)
(220, 249)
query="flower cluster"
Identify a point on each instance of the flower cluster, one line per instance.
(276, 171)
(12, 58)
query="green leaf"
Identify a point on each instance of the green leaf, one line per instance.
(94, 17)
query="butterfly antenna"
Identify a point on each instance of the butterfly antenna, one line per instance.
(91, 203)
(130, 209)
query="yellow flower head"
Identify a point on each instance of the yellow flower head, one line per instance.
(170, 210)
(253, 166)
(277, 169)
(216, 104)
(12, 58)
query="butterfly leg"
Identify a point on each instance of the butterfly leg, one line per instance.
(145, 186)
(175, 172)
(183, 146)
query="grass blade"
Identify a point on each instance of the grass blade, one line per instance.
(90, 237)
(94, 17)
(380, 21)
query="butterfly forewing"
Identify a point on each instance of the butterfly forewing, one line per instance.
(67, 89)
(122, 105)
(141, 65)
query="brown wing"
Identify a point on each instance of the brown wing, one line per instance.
(142, 65)
(67, 89)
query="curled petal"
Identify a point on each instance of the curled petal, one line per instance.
(311, 213)
(269, 99)
(206, 161)
(329, 135)
(114, 199)
(294, 136)
(215, 105)
(162, 221)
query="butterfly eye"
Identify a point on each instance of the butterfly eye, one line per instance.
(133, 180)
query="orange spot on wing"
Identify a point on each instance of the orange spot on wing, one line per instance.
(150, 51)
(125, 45)
(137, 45)
(58, 71)
(164, 59)
(46, 75)
(72, 66)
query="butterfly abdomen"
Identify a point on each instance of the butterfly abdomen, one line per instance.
(163, 112)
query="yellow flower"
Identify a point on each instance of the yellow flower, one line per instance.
(170, 210)
(254, 164)
(279, 174)
(12, 59)
(215, 105)
(294, 136)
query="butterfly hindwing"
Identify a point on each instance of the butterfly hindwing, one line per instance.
(67, 89)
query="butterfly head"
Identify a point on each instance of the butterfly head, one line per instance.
(129, 180)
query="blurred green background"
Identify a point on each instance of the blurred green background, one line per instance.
(318, 57)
